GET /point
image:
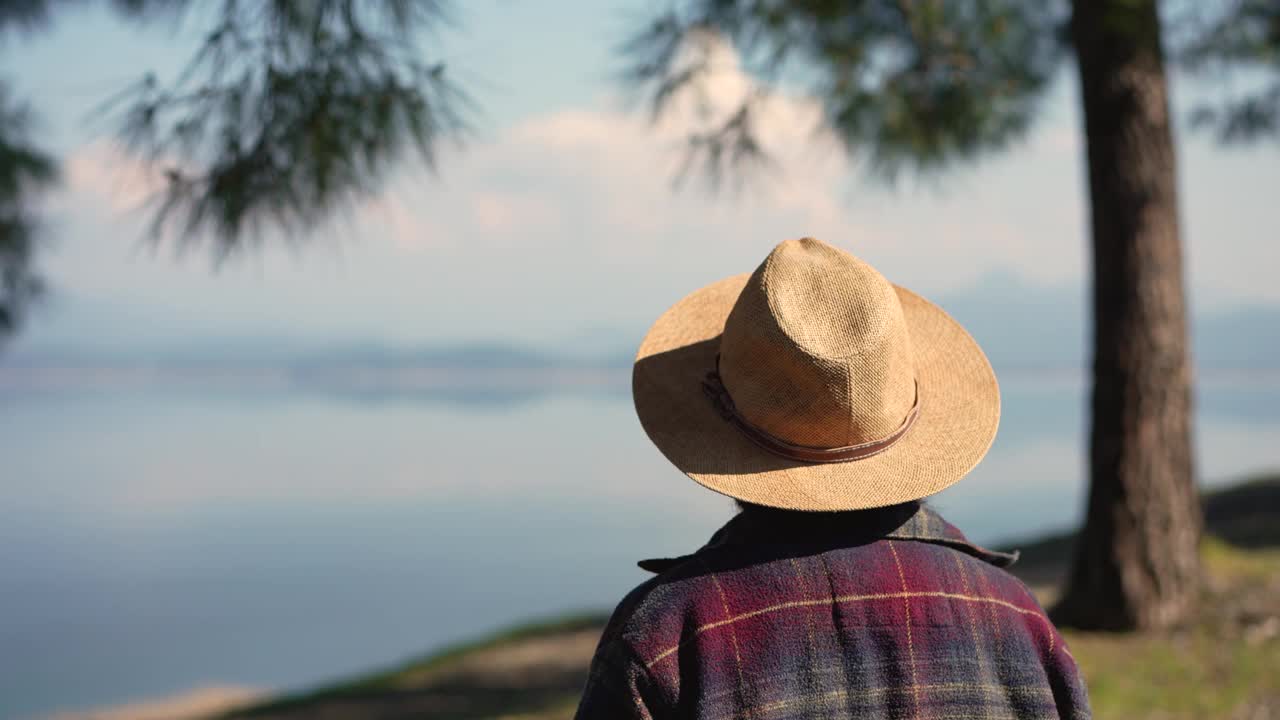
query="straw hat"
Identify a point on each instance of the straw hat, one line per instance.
(815, 384)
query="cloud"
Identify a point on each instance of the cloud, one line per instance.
(596, 185)
(104, 171)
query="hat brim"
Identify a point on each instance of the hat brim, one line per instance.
(959, 413)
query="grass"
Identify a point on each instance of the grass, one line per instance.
(1193, 677)
(1226, 666)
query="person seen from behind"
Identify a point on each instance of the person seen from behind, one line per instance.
(829, 403)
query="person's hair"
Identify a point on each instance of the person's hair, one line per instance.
(744, 506)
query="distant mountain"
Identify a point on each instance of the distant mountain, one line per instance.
(1026, 327)
(467, 356)
(1242, 338)
(1021, 327)
(299, 356)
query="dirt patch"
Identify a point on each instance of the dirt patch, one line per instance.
(525, 662)
(194, 705)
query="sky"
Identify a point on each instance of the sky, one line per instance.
(559, 221)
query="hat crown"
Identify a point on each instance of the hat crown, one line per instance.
(816, 350)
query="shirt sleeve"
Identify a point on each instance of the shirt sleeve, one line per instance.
(618, 686)
(1066, 682)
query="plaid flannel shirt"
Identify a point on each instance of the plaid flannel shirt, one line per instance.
(877, 614)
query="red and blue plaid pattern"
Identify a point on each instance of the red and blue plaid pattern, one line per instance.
(876, 614)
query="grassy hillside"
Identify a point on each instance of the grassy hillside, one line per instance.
(531, 671)
(1245, 515)
(1227, 666)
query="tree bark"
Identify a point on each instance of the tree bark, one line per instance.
(1136, 564)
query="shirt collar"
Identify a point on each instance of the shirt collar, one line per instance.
(911, 521)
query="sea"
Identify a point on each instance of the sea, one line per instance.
(161, 533)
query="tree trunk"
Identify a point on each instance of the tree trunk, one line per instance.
(1136, 564)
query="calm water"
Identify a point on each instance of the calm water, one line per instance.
(156, 537)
